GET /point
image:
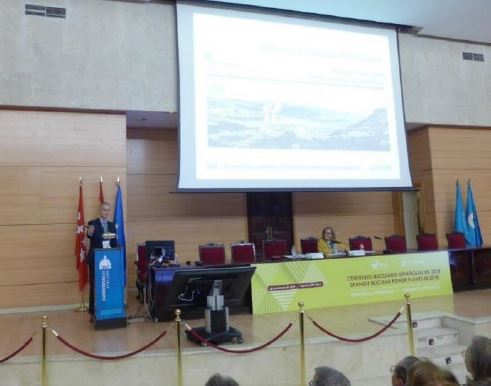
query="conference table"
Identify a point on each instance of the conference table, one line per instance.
(470, 268)
(295, 278)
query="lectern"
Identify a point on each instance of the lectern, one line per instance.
(110, 310)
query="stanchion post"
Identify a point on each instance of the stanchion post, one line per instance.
(44, 373)
(302, 344)
(409, 318)
(179, 356)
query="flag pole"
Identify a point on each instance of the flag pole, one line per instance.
(82, 307)
(124, 279)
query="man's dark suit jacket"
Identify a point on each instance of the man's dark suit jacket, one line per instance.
(96, 238)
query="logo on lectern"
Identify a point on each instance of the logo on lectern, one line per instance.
(105, 263)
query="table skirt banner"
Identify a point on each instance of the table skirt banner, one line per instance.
(278, 287)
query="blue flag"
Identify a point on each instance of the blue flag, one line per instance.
(460, 224)
(119, 222)
(473, 235)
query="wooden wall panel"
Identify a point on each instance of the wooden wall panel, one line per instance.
(419, 150)
(40, 294)
(42, 156)
(152, 197)
(45, 138)
(152, 152)
(342, 203)
(50, 194)
(448, 154)
(32, 254)
(460, 148)
(418, 144)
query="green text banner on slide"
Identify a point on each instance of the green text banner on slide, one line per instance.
(336, 282)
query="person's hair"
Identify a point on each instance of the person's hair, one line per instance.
(448, 376)
(332, 232)
(402, 367)
(327, 376)
(221, 380)
(426, 373)
(105, 203)
(478, 358)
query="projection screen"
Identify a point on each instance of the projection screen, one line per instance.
(272, 101)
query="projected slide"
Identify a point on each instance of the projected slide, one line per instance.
(274, 102)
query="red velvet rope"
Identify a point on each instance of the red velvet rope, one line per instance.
(360, 339)
(28, 341)
(246, 351)
(108, 358)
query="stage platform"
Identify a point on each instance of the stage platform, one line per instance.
(366, 363)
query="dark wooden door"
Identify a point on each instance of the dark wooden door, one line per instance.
(269, 215)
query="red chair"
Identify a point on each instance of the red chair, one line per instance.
(396, 244)
(357, 241)
(308, 245)
(427, 242)
(274, 249)
(456, 240)
(243, 253)
(211, 254)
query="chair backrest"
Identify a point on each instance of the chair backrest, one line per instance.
(308, 245)
(274, 249)
(141, 262)
(212, 253)
(395, 243)
(427, 242)
(243, 253)
(456, 240)
(356, 242)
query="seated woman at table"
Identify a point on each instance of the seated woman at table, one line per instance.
(328, 244)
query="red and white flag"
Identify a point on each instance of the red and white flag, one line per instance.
(101, 193)
(80, 250)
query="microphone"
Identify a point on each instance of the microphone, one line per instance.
(377, 237)
(336, 242)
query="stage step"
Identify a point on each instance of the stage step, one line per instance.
(446, 355)
(442, 346)
(426, 323)
(420, 320)
(436, 336)
(434, 341)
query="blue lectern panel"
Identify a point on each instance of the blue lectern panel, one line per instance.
(109, 289)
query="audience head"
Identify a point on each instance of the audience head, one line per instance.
(221, 380)
(328, 234)
(327, 376)
(401, 369)
(426, 373)
(478, 359)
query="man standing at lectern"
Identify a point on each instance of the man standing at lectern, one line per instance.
(102, 234)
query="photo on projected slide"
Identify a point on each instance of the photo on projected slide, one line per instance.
(250, 124)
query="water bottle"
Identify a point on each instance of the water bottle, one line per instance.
(362, 247)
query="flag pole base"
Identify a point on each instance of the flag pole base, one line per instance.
(82, 307)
